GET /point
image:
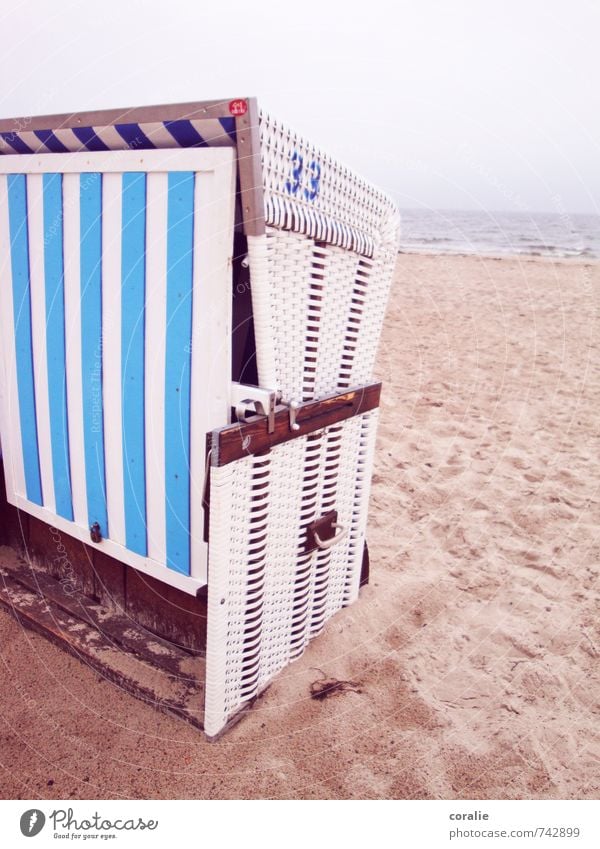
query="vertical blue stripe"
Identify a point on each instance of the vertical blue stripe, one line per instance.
(177, 368)
(90, 200)
(55, 342)
(132, 358)
(17, 211)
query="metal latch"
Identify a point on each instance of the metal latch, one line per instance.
(293, 407)
(254, 399)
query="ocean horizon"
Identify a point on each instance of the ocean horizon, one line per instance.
(542, 234)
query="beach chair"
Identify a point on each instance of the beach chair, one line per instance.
(191, 302)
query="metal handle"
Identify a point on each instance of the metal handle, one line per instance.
(293, 407)
(328, 543)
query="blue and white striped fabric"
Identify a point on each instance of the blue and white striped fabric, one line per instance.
(206, 132)
(288, 214)
(97, 290)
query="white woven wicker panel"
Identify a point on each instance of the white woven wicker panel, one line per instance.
(318, 312)
(308, 192)
(321, 274)
(267, 597)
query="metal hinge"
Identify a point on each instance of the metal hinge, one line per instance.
(255, 400)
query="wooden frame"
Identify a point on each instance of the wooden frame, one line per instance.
(137, 114)
(252, 437)
(250, 170)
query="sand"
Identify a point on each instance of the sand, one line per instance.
(475, 650)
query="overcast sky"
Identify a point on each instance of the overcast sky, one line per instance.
(459, 104)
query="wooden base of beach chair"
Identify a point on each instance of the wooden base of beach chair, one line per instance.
(144, 636)
(148, 604)
(158, 672)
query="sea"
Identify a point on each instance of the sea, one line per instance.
(500, 233)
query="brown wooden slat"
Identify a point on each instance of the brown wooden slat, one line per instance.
(250, 170)
(105, 117)
(251, 437)
(116, 628)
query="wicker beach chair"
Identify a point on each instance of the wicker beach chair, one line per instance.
(201, 412)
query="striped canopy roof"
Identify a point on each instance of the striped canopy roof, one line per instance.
(203, 132)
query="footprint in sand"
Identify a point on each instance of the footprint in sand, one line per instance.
(451, 471)
(531, 556)
(519, 463)
(532, 478)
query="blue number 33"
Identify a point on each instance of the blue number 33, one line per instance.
(294, 184)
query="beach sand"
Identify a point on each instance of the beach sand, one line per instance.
(475, 650)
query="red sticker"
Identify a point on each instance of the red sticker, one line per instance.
(238, 107)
